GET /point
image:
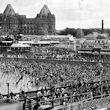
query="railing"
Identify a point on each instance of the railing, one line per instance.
(45, 59)
(34, 93)
(86, 104)
(81, 104)
(82, 101)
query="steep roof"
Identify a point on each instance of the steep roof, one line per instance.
(45, 10)
(9, 10)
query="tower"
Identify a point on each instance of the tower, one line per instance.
(45, 22)
(42, 24)
(10, 20)
(102, 25)
(9, 10)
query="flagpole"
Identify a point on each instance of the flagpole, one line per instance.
(8, 89)
(101, 71)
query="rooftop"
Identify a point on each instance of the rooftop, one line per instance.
(9, 10)
(45, 10)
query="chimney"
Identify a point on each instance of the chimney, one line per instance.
(102, 25)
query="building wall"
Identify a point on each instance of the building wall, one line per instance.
(51, 24)
(41, 25)
(0, 20)
(45, 24)
(10, 24)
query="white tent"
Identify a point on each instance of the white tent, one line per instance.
(19, 45)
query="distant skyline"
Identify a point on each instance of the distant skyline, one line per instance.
(68, 13)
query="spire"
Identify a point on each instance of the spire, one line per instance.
(9, 10)
(45, 10)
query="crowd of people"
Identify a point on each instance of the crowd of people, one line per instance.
(24, 71)
(55, 53)
(29, 74)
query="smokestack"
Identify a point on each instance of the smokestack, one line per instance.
(102, 25)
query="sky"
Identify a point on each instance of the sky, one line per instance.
(68, 13)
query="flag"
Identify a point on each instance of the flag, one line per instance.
(19, 80)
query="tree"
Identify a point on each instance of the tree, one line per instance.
(80, 33)
(100, 37)
(68, 31)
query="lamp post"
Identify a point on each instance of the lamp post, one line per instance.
(101, 83)
(101, 71)
(8, 89)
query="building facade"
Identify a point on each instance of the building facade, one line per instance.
(42, 24)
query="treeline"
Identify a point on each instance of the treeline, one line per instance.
(74, 32)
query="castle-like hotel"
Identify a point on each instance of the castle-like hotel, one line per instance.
(42, 24)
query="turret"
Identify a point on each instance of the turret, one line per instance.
(45, 22)
(45, 11)
(9, 10)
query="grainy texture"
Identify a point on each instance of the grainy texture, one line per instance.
(42, 24)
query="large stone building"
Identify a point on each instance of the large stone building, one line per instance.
(42, 24)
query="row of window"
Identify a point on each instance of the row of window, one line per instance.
(92, 46)
(28, 31)
(29, 23)
(28, 27)
(97, 42)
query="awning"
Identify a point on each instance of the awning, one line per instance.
(20, 45)
(105, 53)
(7, 41)
(84, 52)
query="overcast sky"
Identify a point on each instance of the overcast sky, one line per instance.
(69, 13)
